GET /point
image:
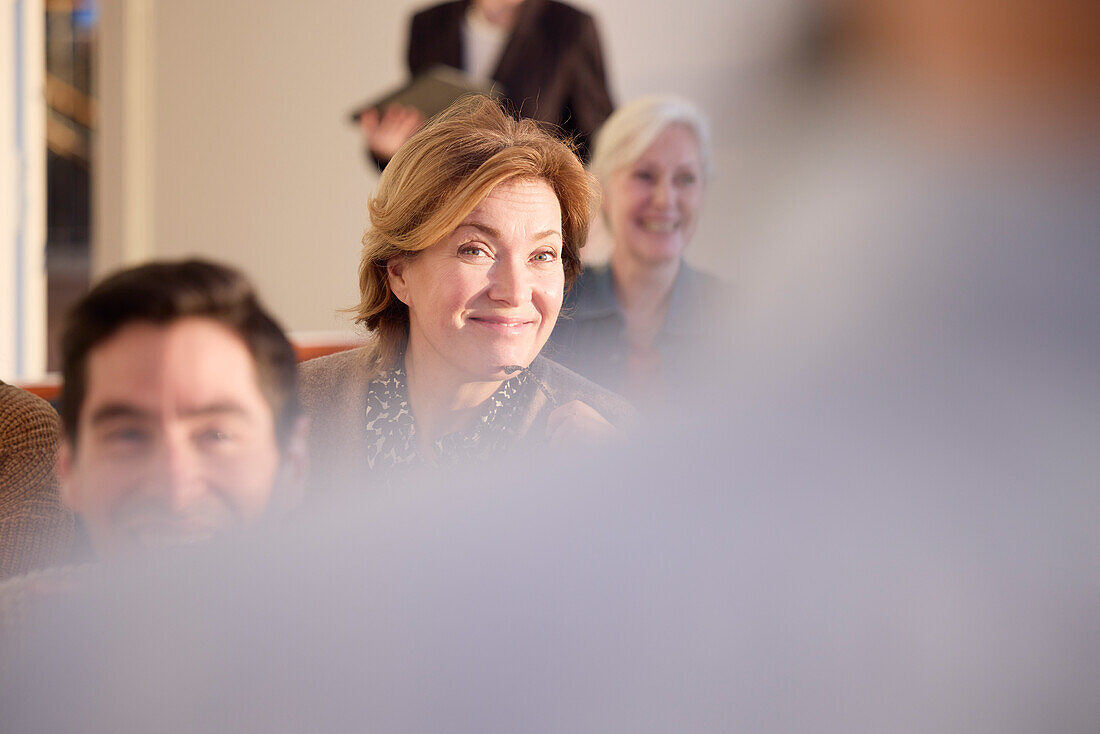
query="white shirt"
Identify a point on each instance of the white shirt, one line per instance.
(482, 44)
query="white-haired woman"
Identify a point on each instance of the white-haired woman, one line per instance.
(635, 324)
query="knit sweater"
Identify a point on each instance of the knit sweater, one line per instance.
(35, 529)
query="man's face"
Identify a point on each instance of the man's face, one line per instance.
(175, 441)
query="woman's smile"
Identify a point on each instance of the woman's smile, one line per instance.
(504, 324)
(488, 294)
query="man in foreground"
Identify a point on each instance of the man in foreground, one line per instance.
(180, 408)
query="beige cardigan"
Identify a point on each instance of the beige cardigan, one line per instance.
(334, 396)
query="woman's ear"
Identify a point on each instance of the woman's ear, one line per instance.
(395, 275)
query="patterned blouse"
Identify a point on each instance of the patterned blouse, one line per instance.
(391, 429)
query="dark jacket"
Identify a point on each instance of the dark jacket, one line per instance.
(590, 336)
(551, 69)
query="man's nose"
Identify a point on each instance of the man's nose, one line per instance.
(509, 282)
(176, 479)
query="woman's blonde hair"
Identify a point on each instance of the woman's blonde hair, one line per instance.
(632, 128)
(436, 179)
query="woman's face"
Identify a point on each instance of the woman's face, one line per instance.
(652, 205)
(488, 294)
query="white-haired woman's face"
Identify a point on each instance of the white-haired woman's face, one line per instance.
(652, 205)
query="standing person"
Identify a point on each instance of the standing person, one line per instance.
(633, 325)
(545, 54)
(475, 234)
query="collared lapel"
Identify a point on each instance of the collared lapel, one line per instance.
(449, 42)
(593, 296)
(516, 59)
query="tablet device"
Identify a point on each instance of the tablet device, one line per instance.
(431, 92)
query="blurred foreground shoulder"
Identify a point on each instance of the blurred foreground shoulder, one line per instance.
(564, 385)
(35, 529)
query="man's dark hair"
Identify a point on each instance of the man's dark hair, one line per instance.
(164, 292)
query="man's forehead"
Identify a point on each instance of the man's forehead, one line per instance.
(177, 367)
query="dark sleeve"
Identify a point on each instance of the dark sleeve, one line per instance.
(589, 103)
(435, 37)
(416, 53)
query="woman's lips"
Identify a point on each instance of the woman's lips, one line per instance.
(659, 226)
(502, 324)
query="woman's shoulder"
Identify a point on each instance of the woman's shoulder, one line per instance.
(562, 10)
(697, 295)
(441, 11)
(593, 294)
(703, 281)
(563, 385)
(329, 378)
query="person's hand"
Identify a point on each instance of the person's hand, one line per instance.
(577, 424)
(386, 133)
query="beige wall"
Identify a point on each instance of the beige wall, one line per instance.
(248, 157)
(22, 191)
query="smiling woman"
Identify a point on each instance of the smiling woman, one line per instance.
(475, 237)
(639, 325)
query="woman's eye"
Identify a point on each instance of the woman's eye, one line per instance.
(685, 179)
(642, 175)
(546, 256)
(473, 250)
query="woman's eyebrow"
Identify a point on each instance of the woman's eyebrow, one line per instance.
(493, 232)
(483, 228)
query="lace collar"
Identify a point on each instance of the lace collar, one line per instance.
(391, 429)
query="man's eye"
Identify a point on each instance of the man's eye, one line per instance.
(685, 179)
(214, 437)
(126, 436)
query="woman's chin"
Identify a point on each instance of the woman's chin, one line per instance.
(658, 251)
(501, 368)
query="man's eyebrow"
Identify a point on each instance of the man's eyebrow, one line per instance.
(112, 411)
(221, 407)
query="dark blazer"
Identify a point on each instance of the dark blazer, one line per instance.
(551, 69)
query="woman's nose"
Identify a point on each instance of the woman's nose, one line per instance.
(509, 282)
(662, 194)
